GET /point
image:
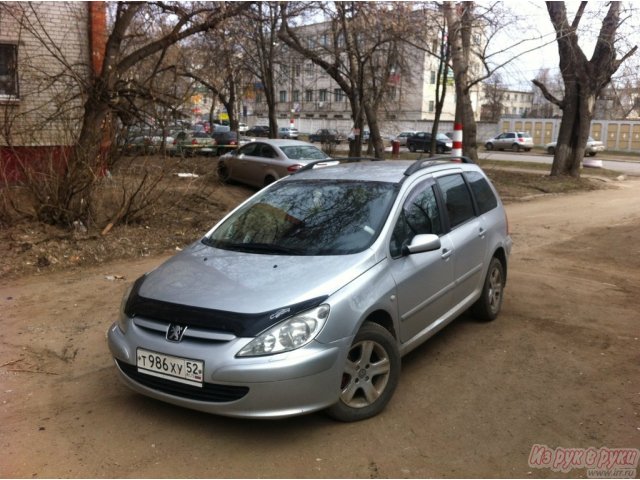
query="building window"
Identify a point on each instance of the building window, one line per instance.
(308, 96)
(283, 96)
(432, 106)
(433, 77)
(297, 69)
(338, 95)
(308, 69)
(311, 43)
(296, 96)
(322, 95)
(324, 40)
(392, 92)
(8, 70)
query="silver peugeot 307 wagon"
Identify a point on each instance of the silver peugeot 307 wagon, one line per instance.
(307, 295)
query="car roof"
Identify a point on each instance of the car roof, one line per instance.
(391, 171)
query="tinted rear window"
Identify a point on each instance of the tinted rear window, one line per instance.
(485, 198)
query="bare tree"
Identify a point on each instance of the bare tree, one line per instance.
(112, 88)
(584, 80)
(460, 20)
(362, 52)
(494, 89)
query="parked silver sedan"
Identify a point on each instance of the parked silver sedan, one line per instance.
(263, 162)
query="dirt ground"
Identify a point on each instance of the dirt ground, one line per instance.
(559, 367)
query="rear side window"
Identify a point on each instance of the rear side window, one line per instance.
(485, 197)
(457, 199)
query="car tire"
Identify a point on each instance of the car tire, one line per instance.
(370, 376)
(439, 149)
(488, 306)
(592, 154)
(516, 147)
(412, 148)
(223, 172)
(268, 180)
(551, 151)
(489, 146)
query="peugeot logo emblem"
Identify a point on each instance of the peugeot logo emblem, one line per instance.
(175, 332)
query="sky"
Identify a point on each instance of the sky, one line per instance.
(535, 23)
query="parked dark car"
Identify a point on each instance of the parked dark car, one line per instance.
(225, 141)
(422, 141)
(326, 135)
(258, 131)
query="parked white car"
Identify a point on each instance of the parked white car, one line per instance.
(592, 148)
(401, 138)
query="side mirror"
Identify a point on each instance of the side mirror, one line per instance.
(423, 243)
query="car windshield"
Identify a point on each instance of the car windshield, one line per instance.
(308, 218)
(303, 152)
(443, 137)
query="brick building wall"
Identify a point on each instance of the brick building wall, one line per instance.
(53, 63)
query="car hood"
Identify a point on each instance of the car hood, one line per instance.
(247, 283)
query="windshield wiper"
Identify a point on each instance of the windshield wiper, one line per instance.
(258, 248)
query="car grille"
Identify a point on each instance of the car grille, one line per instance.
(210, 392)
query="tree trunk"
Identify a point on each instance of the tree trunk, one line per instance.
(583, 79)
(460, 43)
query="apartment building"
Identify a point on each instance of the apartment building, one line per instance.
(306, 91)
(47, 50)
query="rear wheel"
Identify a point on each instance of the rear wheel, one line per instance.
(516, 147)
(370, 376)
(412, 148)
(269, 179)
(488, 306)
(551, 150)
(592, 154)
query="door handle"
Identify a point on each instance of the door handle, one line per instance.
(482, 231)
(446, 253)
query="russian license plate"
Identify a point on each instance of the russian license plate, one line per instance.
(178, 369)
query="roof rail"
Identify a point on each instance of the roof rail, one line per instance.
(427, 162)
(333, 161)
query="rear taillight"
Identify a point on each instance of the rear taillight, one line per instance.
(175, 142)
(233, 142)
(294, 168)
(194, 142)
(520, 139)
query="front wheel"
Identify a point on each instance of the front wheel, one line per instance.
(223, 172)
(370, 375)
(489, 146)
(488, 306)
(551, 150)
(592, 154)
(412, 148)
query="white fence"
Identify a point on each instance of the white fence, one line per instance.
(621, 135)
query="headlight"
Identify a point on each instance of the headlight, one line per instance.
(293, 333)
(122, 317)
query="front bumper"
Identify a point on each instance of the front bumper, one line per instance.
(293, 383)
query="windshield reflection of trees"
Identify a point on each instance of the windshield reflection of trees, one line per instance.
(320, 218)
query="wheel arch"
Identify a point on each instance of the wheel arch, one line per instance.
(382, 318)
(501, 255)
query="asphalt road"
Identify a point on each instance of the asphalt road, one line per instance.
(626, 165)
